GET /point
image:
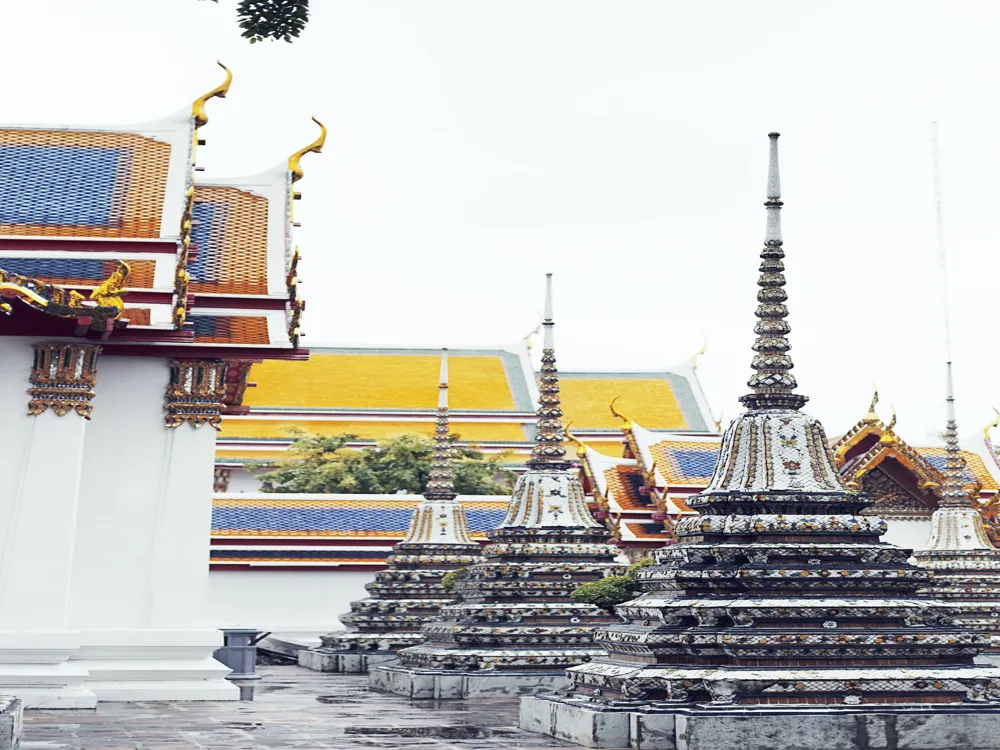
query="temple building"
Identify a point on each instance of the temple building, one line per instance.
(516, 628)
(779, 619)
(409, 593)
(646, 490)
(380, 392)
(135, 297)
(965, 563)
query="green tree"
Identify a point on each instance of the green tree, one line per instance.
(609, 592)
(402, 464)
(272, 19)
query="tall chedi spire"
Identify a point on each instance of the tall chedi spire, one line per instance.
(516, 628)
(778, 597)
(409, 593)
(772, 382)
(966, 566)
(441, 484)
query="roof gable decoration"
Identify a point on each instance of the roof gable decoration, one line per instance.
(243, 228)
(870, 442)
(99, 313)
(199, 118)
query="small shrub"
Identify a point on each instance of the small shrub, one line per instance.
(613, 590)
(607, 592)
(453, 577)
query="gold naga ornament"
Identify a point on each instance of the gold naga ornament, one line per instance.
(112, 289)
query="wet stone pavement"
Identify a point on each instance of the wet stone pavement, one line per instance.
(292, 708)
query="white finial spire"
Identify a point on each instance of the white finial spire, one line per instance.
(772, 235)
(548, 340)
(443, 387)
(953, 491)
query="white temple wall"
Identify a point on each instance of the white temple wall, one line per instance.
(241, 480)
(909, 534)
(24, 485)
(123, 469)
(293, 601)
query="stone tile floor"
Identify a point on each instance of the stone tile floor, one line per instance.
(292, 708)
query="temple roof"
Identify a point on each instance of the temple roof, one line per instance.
(323, 530)
(381, 392)
(212, 262)
(341, 516)
(96, 182)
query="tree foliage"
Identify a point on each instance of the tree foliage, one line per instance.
(609, 592)
(321, 463)
(453, 577)
(272, 19)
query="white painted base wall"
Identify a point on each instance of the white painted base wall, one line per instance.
(306, 602)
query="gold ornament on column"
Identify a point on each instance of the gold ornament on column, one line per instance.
(63, 378)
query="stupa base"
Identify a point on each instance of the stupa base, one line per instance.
(421, 684)
(345, 662)
(949, 727)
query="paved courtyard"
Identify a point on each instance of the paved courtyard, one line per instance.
(292, 708)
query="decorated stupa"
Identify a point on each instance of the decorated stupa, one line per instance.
(965, 563)
(516, 628)
(410, 592)
(779, 621)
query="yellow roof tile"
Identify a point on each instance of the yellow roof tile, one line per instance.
(371, 430)
(381, 381)
(650, 402)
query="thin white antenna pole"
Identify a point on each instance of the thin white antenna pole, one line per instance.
(941, 250)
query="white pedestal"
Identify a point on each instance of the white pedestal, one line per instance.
(155, 665)
(41, 461)
(140, 571)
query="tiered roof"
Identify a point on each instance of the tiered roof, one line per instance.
(209, 267)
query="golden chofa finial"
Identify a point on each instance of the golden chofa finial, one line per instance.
(889, 437)
(198, 106)
(581, 448)
(872, 417)
(991, 425)
(315, 147)
(700, 352)
(627, 422)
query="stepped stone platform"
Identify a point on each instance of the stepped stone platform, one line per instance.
(651, 728)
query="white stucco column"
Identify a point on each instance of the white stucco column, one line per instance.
(141, 564)
(44, 442)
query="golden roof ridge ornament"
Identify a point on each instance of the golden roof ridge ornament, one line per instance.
(220, 91)
(533, 332)
(892, 420)
(316, 147)
(872, 416)
(991, 425)
(700, 352)
(627, 423)
(581, 449)
(112, 289)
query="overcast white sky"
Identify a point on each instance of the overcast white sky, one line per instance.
(621, 144)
